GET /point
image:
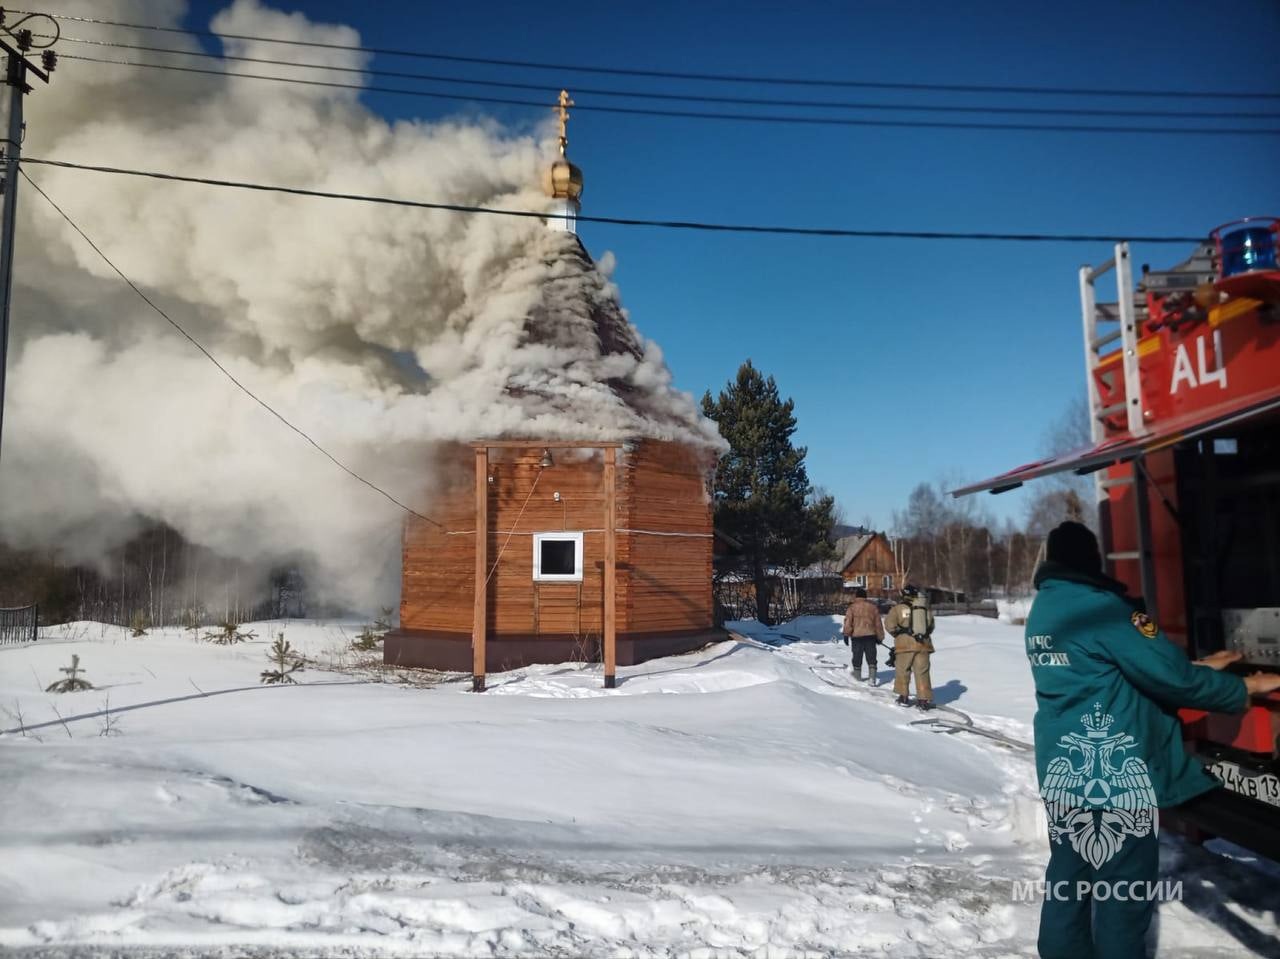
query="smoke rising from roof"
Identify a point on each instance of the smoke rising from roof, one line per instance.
(378, 330)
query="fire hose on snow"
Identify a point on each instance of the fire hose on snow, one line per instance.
(962, 723)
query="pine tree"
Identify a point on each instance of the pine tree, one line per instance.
(763, 497)
(230, 634)
(285, 661)
(367, 640)
(72, 683)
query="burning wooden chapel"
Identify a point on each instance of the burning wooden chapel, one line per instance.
(582, 529)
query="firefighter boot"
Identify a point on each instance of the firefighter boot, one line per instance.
(925, 704)
(904, 700)
(871, 674)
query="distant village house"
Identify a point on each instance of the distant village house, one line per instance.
(866, 560)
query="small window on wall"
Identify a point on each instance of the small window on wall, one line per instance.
(888, 582)
(860, 580)
(557, 557)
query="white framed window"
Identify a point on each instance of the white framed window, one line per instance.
(888, 581)
(859, 580)
(557, 557)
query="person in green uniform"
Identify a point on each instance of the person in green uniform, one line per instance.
(1109, 753)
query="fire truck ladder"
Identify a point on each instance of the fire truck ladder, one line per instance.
(1128, 312)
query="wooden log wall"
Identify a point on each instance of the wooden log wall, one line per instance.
(669, 585)
(438, 565)
(663, 582)
(517, 604)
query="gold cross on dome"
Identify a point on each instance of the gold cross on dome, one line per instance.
(563, 110)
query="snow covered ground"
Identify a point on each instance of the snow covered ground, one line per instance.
(744, 799)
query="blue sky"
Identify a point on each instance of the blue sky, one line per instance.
(907, 360)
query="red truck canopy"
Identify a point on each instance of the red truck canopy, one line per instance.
(1118, 449)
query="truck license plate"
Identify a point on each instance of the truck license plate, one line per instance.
(1261, 786)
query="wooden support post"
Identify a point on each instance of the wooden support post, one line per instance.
(480, 616)
(610, 569)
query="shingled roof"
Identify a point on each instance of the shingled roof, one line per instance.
(598, 372)
(848, 548)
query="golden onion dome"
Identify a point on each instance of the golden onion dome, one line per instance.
(563, 180)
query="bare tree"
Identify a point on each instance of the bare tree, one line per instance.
(1069, 432)
(962, 526)
(902, 571)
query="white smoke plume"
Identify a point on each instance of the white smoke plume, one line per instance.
(377, 329)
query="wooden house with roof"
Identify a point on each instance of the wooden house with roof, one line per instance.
(866, 560)
(553, 543)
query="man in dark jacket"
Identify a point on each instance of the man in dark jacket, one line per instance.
(1109, 751)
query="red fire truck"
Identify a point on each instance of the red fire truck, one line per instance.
(1183, 374)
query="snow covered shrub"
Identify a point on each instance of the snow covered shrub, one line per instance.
(586, 649)
(228, 633)
(110, 723)
(138, 625)
(72, 683)
(285, 661)
(15, 716)
(371, 636)
(367, 641)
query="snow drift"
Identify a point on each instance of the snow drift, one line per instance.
(749, 799)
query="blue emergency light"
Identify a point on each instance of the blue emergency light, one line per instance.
(1247, 246)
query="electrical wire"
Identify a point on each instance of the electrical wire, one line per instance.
(677, 75)
(212, 359)
(507, 542)
(704, 114)
(679, 97)
(15, 33)
(617, 529)
(632, 221)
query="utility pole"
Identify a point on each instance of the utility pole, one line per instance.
(18, 68)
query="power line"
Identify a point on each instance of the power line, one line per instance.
(579, 91)
(212, 359)
(704, 114)
(676, 75)
(632, 221)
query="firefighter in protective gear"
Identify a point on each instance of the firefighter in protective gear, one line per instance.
(1109, 751)
(910, 623)
(862, 631)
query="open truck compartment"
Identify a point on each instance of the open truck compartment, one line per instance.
(1229, 488)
